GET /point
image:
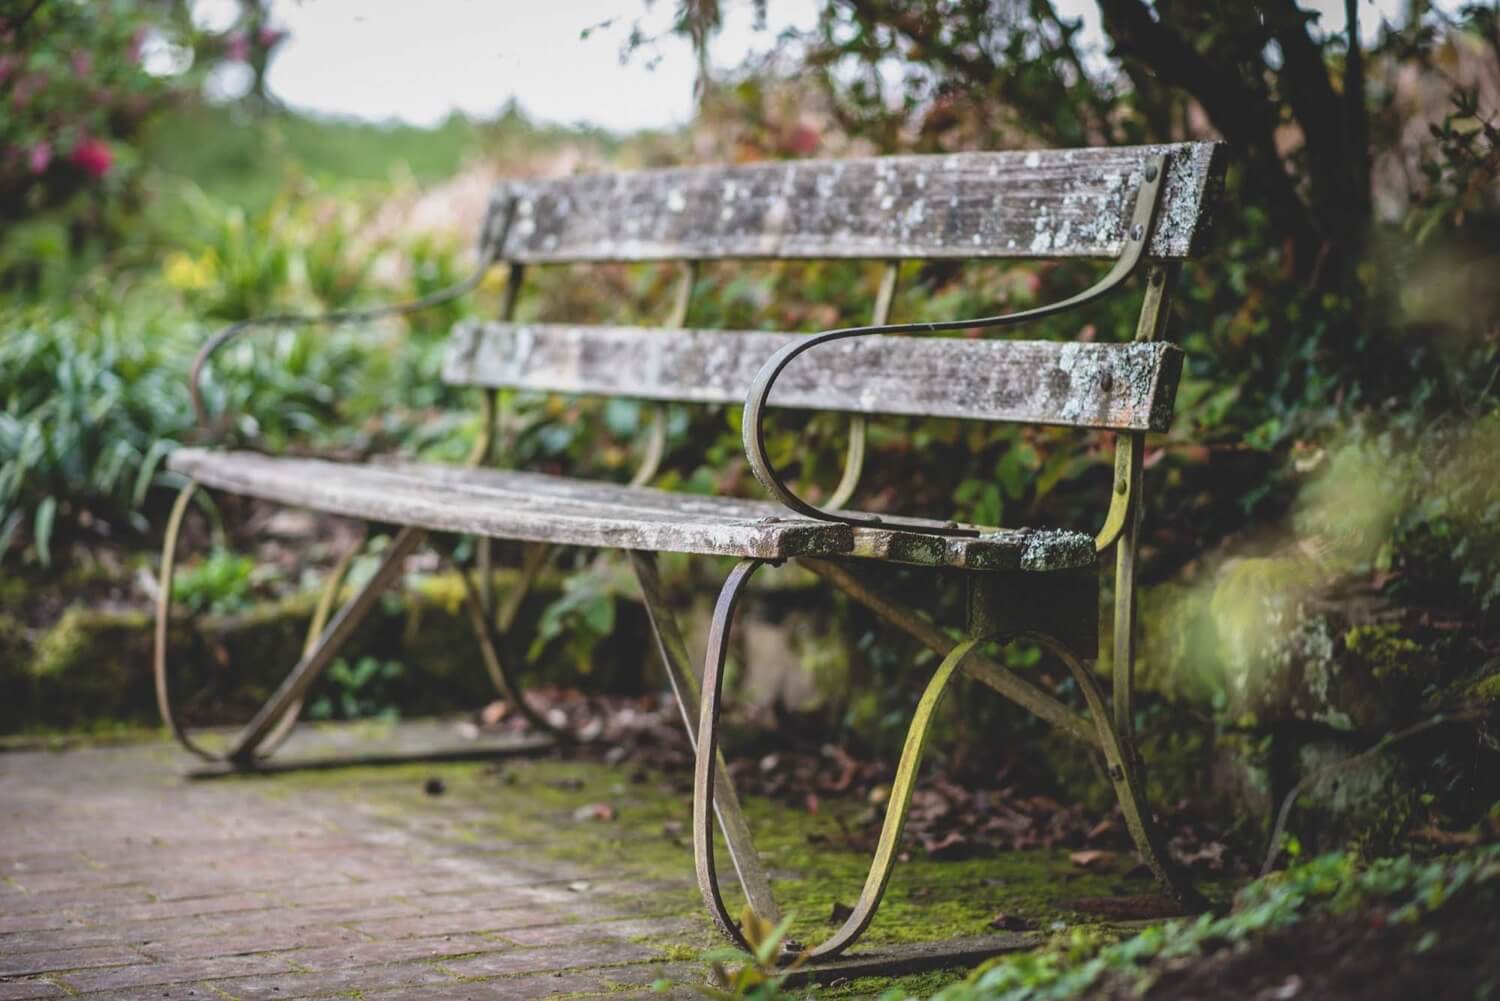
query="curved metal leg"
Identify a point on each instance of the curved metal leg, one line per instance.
(704, 773)
(294, 687)
(1122, 771)
(326, 602)
(288, 719)
(684, 681)
(163, 613)
(1124, 775)
(491, 638)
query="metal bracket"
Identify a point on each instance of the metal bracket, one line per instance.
(1138, 238)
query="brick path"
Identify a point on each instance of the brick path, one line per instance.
(123, 880)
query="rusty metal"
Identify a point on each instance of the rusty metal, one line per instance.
(1119, 496)
(493, 234)
(705, 773)
(327, 602)
(1122, 524)
(1150, 326)
(1122, 771)
(1124, 775)
(163, 614)
(1142, 220)
(490, 416)
(1134, 447)
(294, 687)
(656, 433)
(286, 721)
(859, 424)
(491, 640)
(752, 875)
(1004, 681)
(1111, 737)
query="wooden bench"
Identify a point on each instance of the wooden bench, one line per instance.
(1144, 207)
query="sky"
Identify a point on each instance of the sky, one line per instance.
(420, 62)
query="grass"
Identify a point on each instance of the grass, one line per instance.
(246, 159)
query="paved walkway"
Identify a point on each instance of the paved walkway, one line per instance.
(121, 879)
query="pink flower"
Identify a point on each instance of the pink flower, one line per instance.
(40, 157)
(93, 156)
(83, 63)
(238, 47)
(7, 67)
(26, 88)
(268, 37)
(803, 140)
(137, 40)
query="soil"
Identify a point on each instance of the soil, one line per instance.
(1362, 957)
(955, 814)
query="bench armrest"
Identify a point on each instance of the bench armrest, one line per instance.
(756, 399)
(492, 240)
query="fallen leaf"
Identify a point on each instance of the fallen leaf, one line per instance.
(594, 811)
(1009, 922)
(1104, 826)
(949, 845)
(1092, 858)
(840, 913)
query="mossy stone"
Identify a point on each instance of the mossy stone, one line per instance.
(1363, 807)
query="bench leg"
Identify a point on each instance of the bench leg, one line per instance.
(705, 773)
(674, 657)
(1012, 686)
(492, 635)
(327, 600)
(293, 689)
(282, 727)
(163, 621)
(1125, 775)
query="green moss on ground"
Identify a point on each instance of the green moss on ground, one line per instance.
(542, 809)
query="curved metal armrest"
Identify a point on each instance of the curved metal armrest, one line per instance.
(1138, 237)
(492, 240)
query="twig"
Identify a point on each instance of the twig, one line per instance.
(16, 24)
(1274, 848)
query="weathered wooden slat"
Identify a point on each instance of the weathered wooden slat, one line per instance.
(1126, 386)
(1038, 203)
(436, 497)
(540, 508)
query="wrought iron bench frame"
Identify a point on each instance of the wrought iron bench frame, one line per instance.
(1148, 207)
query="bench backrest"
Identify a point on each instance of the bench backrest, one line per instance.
(1029, 204)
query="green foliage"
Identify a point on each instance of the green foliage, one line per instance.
(249, 159)
(757, 976)
(1081, 961)
(360, 691)
(219, 583)
(74, 87)
(87, 413)
(584, 615)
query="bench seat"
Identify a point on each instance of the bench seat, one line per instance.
(537, 507)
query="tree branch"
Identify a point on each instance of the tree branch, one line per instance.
(1243, 116)
(1332, 163)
